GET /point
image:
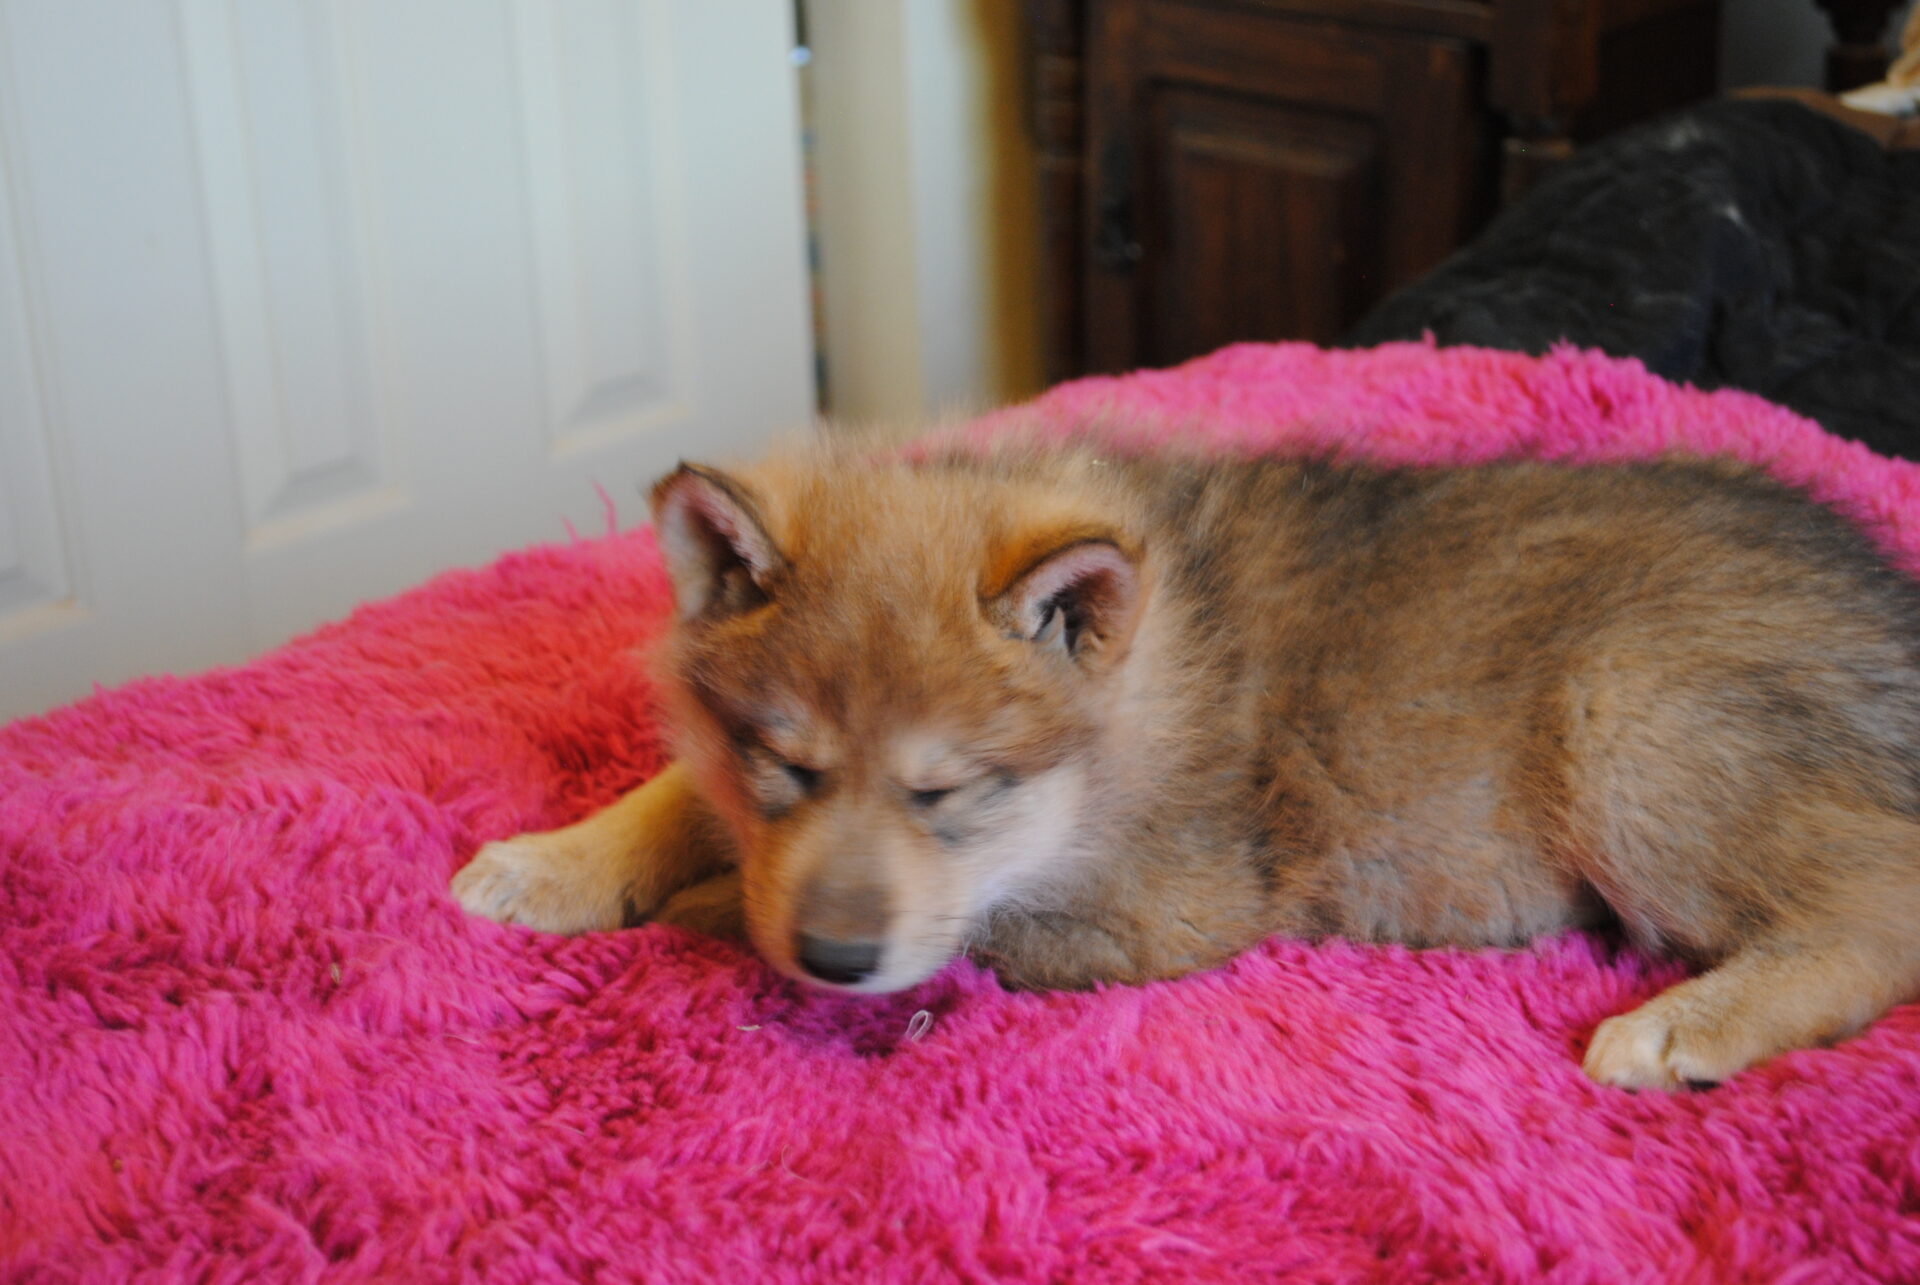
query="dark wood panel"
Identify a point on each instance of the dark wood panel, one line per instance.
(1645, 70)
(1463, 19)
(1217, 170)
(1263, 222)
(1111, 194)
(1444, 167)
(1257, 176)
(1057, 101)
(1302, 60)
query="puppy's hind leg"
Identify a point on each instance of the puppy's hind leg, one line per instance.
(1767, 999)
(1812, 978)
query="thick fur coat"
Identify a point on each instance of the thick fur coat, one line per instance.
(1109, 716)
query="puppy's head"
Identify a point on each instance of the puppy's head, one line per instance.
(893, 682)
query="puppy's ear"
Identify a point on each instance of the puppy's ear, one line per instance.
(718, 552)
(1080, 601)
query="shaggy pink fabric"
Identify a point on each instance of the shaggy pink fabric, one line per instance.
(246, 1035)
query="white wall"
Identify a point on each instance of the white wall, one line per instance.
(925, 220)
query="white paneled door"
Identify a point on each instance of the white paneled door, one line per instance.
(304, 300)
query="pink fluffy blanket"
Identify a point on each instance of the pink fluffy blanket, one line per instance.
(247, 1036)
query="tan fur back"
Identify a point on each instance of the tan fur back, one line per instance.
(1427, 706)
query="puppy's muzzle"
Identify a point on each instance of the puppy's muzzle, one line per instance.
(840, 933)
(843, 963)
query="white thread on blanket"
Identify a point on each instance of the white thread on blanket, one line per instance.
(918, 1027)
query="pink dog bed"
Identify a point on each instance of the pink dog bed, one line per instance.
(247, 1036)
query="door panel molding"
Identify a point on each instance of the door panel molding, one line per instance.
(271, 88)
(611, 308)
(37, 581)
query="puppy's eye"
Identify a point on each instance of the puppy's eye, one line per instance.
(805, 779)
(928, 798)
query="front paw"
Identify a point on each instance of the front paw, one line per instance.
(712, 907)
(541, 881)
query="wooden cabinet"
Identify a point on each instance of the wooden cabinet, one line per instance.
(1215, 170)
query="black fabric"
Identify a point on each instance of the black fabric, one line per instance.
(1747, 244)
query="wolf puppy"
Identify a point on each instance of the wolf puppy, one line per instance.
(1094, 718)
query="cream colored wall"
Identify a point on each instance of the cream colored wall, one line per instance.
(926, 223)
(1778, 42)
(1772, 42)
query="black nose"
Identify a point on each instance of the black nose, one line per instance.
(840, 962)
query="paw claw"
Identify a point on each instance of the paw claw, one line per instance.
(538, 882)
(1653, 1048)
(1631, 1054)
